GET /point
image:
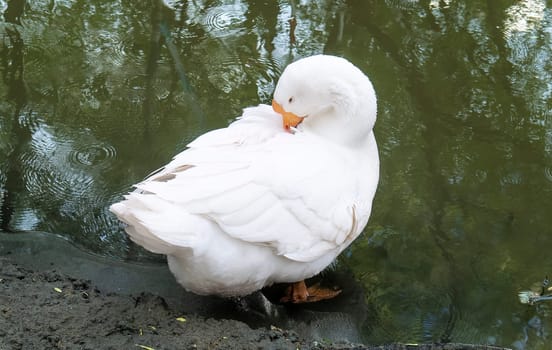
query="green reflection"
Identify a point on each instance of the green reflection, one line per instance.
(92, 100)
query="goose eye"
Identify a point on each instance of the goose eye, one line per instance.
(290, 100)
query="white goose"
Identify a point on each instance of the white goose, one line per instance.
(258, 203)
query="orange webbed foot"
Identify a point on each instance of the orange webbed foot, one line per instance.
(298, 293)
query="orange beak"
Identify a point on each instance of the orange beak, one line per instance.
(289, 119)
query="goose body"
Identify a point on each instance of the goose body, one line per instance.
(265, 201)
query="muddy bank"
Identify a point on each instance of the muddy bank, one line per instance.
(54, 296)
(47, 310)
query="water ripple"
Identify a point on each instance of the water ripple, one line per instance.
(404, 4)
(30, 121)
(548, 173)
(62, 171)
(91, 154)
(226, 72)
(425, 316)
(25, 220)
(268, 71)
(224, 20)
(126, 49)
(512, 177)
(106, 46)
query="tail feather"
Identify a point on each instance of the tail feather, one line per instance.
(157, 225)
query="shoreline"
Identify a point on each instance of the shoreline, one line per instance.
(55, 296)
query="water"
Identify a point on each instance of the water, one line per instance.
(92, 101)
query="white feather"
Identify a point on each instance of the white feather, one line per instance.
(251, 204)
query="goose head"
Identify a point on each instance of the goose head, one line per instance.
(328, 96)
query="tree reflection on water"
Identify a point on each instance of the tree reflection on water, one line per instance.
(93, 100)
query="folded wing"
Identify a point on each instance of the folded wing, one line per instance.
(259, 185)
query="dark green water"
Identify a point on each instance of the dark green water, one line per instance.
(92, 100)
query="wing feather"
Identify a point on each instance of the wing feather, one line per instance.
(270, 188)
